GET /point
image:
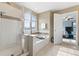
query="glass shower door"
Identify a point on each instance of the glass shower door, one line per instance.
(10, 41)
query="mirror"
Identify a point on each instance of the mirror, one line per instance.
(43, 26)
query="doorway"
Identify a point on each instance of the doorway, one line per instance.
(65, 28)
(69, 32)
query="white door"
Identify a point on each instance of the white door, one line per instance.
(58, 28)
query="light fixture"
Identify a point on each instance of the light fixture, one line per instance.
(68, 18)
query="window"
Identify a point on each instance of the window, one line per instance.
(30, 23)
(27, 18)
(34, 21)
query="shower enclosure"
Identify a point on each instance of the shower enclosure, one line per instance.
(10, 35)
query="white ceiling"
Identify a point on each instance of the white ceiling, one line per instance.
(39, 7)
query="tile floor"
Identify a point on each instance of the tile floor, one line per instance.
(64, 49)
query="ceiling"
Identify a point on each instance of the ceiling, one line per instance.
(40, 7)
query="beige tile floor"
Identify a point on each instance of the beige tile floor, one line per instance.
(64, 49)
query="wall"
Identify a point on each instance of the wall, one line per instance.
(52, 26)
(70, 9)
(44, 18)
(10, 11)
(77, 27)
(47, 18)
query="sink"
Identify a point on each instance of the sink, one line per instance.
(40, 37)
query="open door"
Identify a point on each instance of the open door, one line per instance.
(58, 29)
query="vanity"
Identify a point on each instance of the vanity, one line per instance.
(39, 42)
(35, 42)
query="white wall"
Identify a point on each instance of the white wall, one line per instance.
(44, 18)
(47, 18)
(10, 11)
